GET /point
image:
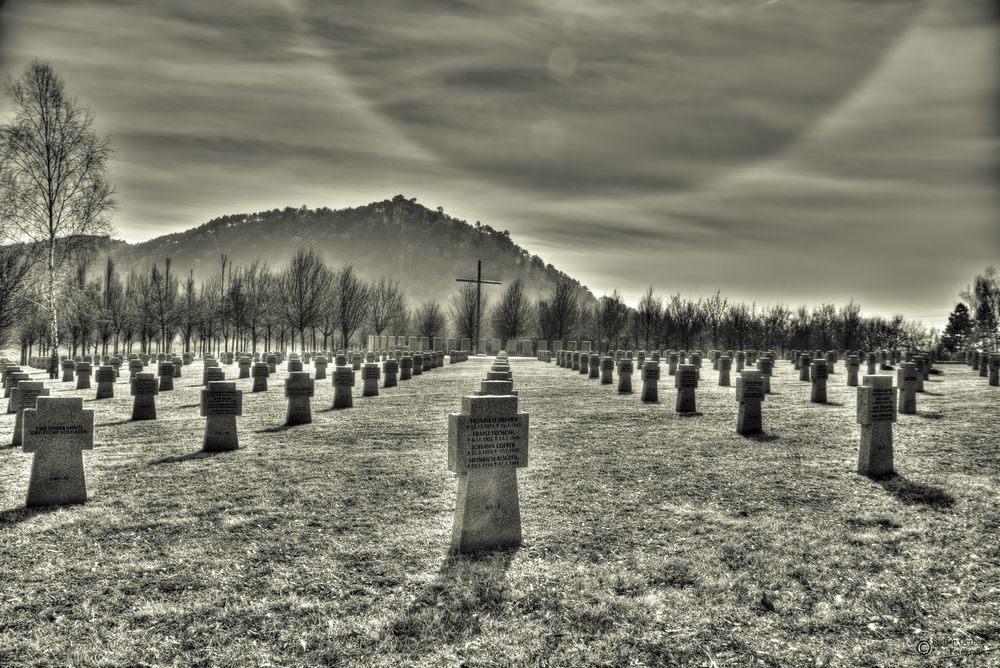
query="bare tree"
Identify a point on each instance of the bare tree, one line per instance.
(611, 317)
(15, 302)
(385, 300)
(649, 319)
(463, 311)
(304, 283)
(430, 320)
(56, 188)
(351, 303)
(259, 284)
(509, 318)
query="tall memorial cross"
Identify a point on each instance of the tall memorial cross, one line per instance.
(487, 443)
(479, 290)
(57, 431)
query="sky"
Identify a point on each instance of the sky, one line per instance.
(794, 151)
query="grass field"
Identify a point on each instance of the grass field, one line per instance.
(649, 538)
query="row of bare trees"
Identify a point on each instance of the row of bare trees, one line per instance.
(714, 322)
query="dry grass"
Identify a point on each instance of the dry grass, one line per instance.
(650, 538)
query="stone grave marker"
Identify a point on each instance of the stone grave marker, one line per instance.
(13, 379)
(672, 361)
(650, 381)
(405, 367)
(22, 397)
(299, 390)
(876, 413)
(343, 384)
(907, 379)
(390, 369)
(245, 364)
(134, 367)
(584, 365)
(212, 374)
(725, 366)
(319, 364)
(68, 370)
(686, 380)
(83, 370)
(994, 378)
(57, 431)
(607, 370)
(272, 364)
(749, 395)
(166, 370)
(105, 382)
(370, 376)
(625, 376)
(178, 363)
(417, 365)
(144, 388)
(765, 365)
(487, 443)
(853, 365)
(221, 403)
(260, 371)
(819, 376)
(805, 366)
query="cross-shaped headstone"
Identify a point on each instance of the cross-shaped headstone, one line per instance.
(57, 431)
(487, 443)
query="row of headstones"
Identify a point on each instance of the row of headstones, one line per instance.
(57, 430)
(987, 364)
(753, 385)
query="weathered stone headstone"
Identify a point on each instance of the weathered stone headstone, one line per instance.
(245, 363)
(805, 367)
(725, 367)
(819, 376)
(299, 390)
(607, 370)
(686, 380)
(625, 376)
(650, 381)
(584, 365)
(57, 431)
(212, 374)
(22, 397)
(260, 372)
(105, 382)
(418, 364)
(221, 403)
(390, 369)
(487, 443)
(672, 361)
(13, 380)
(144, 388)
(370, 376)
(68, 370)
(319, 364)
(765, 365)
(406, 367)
(876, 413)
(166, 371)
(343, 385)
(83, 370)
(272, 363)
(178, 363)
(749, 394)
(994, 378)
(134, 367)
(853, 365)
(907, 379)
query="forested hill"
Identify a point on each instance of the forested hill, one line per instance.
(398, 238)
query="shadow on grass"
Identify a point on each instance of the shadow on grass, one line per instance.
(762, 437)
(915, 493)
(14, 516)
(931, 416)
(932, 394)
(691, 414)
(185, 406)
(465, 584)
(331, 409)
(832, 403)
(112, 424)
(276, 429)
(201, 454)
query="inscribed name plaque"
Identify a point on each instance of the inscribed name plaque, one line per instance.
(370, 375)
(876, 413)
(57, 431)
(487, 443)
(221, 402)
(686, 381)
